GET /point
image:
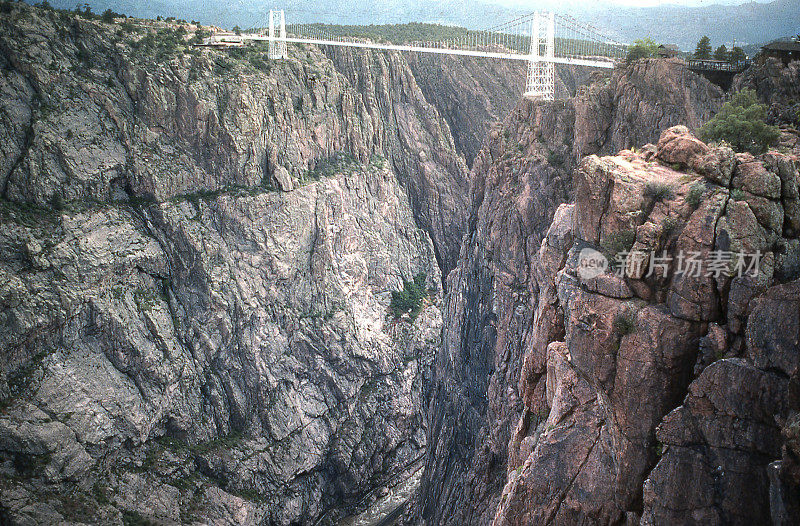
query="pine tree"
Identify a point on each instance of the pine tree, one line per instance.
(703, 49)
(642, 49)
(741, 122)
(737, 55)
(721, 53)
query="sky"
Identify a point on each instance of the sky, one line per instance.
(680, 26)
(636, 3)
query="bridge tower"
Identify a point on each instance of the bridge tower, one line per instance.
(277, 48)
(541, 75)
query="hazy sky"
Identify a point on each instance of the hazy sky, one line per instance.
(636, 3)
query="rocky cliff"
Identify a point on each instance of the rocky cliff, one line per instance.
(197, 253)
(777, 85)
(493, 309)
(94, 111)
(656, 394)
(226, 357)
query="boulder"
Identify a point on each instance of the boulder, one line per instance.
(678, 146)
(717, 165)
(283, 179)
(751, 176)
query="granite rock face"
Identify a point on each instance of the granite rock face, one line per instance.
(196, 262)
(639, 102)
(658, 397)
(776, 84)
(87, 114)
(488, 387)
(238, 345)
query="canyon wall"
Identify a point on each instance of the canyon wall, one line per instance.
(777, 85)
(198, 252)
(197, 256)
(657, 394)
(492, 310)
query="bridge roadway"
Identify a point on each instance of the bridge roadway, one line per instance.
(595, 63)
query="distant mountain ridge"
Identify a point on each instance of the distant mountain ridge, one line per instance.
(748, 23)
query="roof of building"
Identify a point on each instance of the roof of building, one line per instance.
(671, 47)
(783, 45)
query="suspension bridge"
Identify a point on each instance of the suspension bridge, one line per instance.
(542, 39)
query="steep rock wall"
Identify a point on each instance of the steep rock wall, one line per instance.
(195, 276)
(658, 378)
(776, 84)
(494, 295)
(90, 114)
(237, 345)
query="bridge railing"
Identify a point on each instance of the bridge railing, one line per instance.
(543, 39)
(717, 65)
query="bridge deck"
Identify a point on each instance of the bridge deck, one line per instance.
(718, 65)
(595, 63)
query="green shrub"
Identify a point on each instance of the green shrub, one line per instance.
(110, 16)
(742, 123)
(134, 518)
(658, 191)
(127, 27)
(668, 225)
(222, 66)
(162, 45)
(642, 49)
(336, 163)
(259, 64)
(618, 242)
(237, 53)
(223, 442)
(695, 195)
(409, 300)
(625, 323)
(199, 36)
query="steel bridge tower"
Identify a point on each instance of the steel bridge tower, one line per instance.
(541, 74)
(277, 48)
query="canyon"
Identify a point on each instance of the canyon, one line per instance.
(198, 256)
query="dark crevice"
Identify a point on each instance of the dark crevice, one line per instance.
(29, 136)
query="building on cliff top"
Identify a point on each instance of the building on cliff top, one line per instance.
(786, 51)
(668, 50)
